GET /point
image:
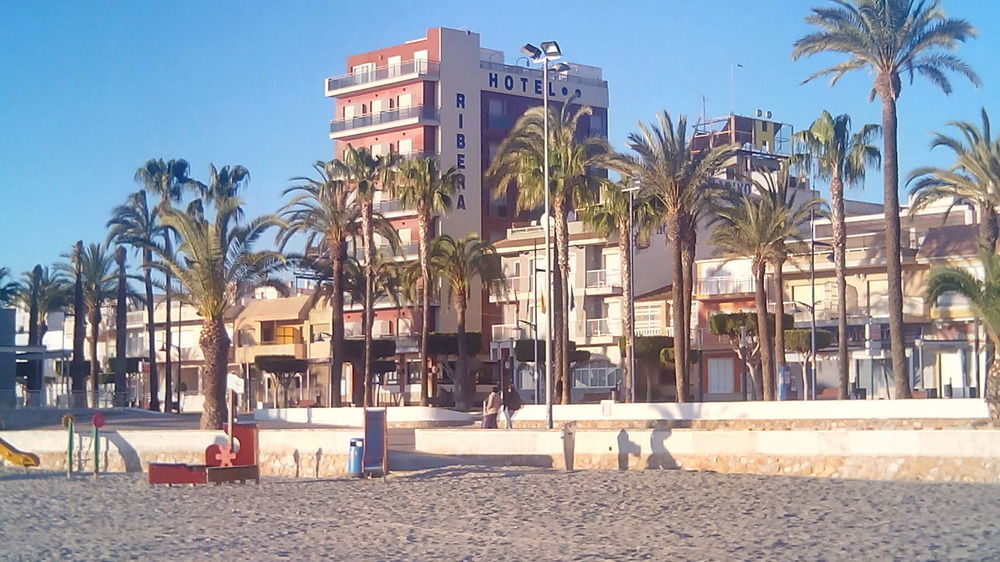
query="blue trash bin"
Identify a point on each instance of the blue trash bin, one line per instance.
(354, 457)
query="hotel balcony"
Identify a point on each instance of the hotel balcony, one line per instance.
(506, 332)
(603, 281)
(602, 331)
(722, 287)
(353, 83)
(914, 310)
(376, 122)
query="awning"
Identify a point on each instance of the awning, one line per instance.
(287, 308)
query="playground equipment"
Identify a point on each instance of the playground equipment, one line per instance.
(375, 457)
(17, 458)
(223, 463)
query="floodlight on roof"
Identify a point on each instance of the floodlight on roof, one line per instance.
(551, 49)
(559, 67)
(531, 51)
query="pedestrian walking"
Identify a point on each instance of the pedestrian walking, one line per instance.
(491, 409)
(511, 404)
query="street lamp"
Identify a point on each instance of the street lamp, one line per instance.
(549, 51)
(177, 383)
(630, 262)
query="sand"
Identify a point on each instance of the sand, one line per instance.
(477, 513)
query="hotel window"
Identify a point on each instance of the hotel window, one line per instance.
(720, 376)
(405, 100)
(496, 116)
(598, 128)
(405, 146)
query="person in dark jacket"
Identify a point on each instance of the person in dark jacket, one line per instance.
(511, 404)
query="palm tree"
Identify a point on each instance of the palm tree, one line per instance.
(365, 174)
(572, 184)
(77, 374)
(323, 209)
(680, 179)
(755, 227)
(611, 217)
(96, 266)
(422, 186)
(779, 187)
(973, 177)
(459, 262)
(137, 225)
(890, 38)
(166, 179)
(985, 298)
(8, 289)
(40, 292)
(841, 157)
(215, 264)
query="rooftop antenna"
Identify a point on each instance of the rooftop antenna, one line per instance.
(704, 112)
(732, 86)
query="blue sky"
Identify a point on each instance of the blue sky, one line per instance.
(90, 90)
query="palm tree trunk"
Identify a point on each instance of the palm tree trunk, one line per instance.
(894, 267)
(562, 256)
(336, 323)
(94, 317)
(840, 264)
(625, 253)
(168, 344)
(764, 332)
(147, 258)
(557, 324)
(369, 321)
(988, 232)
(121, 330)
(992, 390)
(214, 343)
(462, 367)
(35, 377)
(677, 306)
(423, 233)
(687, 257)
(780, 363)
(77, 374)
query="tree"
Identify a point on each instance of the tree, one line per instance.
(799, 341)
(611, 217)
(322, 209)
(96, 266)
(215, 264)
(755, 226)
(78, 367)
(740, 328)
(421, 185)
(365, 174)
(779, 187)
(137, 225)
(40, 292)
(283, 367)
(984, 295)
(837, 155)
(974, 176)
(165, 179)
(680, 179)
(121, 327)
(8, 289)
(572, 184)
(459, 262)
(890, 38)
(648, 359)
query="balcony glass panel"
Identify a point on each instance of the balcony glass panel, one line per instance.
(418, 67)
(383, 117)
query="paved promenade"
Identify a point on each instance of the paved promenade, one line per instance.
(476, 513)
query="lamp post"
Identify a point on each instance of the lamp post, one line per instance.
(630, 262)
(549, 51)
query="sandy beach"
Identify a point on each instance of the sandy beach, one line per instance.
(476, 513)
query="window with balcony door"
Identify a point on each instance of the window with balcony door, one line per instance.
(720, 376)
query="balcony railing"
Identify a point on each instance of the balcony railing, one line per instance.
(388, 206)
(726, 285)
(506, 332)
(371, 119)
(600, 278)
(646, 330)
(600, 327)
(417, 67)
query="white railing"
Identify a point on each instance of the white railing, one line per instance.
(524, 230)
(911, 305)
(599, 327)
(506, 332)
(646, 329)
(595, 377)
(597, 278)
(726, 285)
(416, 66)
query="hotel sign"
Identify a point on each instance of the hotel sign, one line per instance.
(526, 85)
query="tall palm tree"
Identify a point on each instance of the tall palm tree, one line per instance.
(681, 180)
(985, 298)
(841, 157)
(422, 186)
(121, 326)
(459, 262)
(365, 174)
(323, 209)
(779, 186)
(167, 180)
(8, 289)
(215, 264)
(40, 292)
(890, 38)
(97, 269)
(609, 218)
(755, 227)
(973, 177)
(137, 225)
(573, 183)
(77, 374)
